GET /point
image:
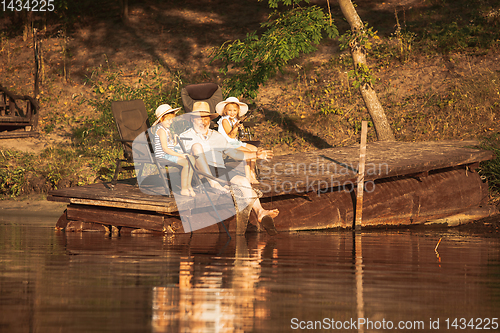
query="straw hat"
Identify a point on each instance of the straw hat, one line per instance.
(202, 109)
(220, 106)
(163, 110)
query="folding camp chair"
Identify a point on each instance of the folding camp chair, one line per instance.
(202, 92)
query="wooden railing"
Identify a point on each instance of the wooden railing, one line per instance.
(18, 114)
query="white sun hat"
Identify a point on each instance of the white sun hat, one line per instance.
(163, 110)
(220, 106)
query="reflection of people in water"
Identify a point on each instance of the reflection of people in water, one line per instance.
(207, 302)
(209, 146)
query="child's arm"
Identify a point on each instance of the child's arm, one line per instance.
(164, 146)
(232, 132)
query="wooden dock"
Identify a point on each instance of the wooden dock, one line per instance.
(405, 183)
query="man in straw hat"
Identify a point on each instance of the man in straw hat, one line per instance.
(210, 145)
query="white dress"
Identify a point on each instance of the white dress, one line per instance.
(232, 141)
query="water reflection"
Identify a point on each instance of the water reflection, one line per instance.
(358, 255)
(90, 282)
(210, 301)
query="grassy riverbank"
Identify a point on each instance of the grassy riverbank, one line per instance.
(437, 76)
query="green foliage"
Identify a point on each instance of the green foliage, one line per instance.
(328, 108)
(362, 76)
(405, 40)
(362, 37)
(491, 169)
(286, 36)
(49, 128)
(275, 3)
(452, 36)
(358, 124)
(19, 170)
(458, 26)
(13, 176)
(97, 138)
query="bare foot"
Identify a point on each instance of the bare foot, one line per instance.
(266, 219)
(192, 192)
(253, 181)
(185, 192)
(218, 186)
(273, 213)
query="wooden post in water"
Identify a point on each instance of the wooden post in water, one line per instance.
(361, 175)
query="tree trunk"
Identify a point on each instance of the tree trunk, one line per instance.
(36, 51)
(124, 10)
(28, 25)
(382, 126)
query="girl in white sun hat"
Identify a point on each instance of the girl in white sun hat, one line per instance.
(231, 110)
(166, 147)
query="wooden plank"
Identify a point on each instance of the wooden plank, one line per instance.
(121, 204)
(8, 120)
(77, 215)
(123, 194)
(400, 201)
(310, 171)
(58, 198)
(115, 217)
(130, 197)
(12, 135)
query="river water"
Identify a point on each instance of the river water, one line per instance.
(371, 281)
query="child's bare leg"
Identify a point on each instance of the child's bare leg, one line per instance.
(184, 176)
(250, 172)
(190, 176)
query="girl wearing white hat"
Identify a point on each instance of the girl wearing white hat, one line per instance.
(231, 110)
(166, 147)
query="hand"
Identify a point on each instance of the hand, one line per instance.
(265, 154)
(190, 158)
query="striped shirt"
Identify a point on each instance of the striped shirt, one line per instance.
(159, 153)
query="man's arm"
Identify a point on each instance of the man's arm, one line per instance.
(260, 154)
(235, 153)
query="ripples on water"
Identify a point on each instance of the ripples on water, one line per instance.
(88, 282)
